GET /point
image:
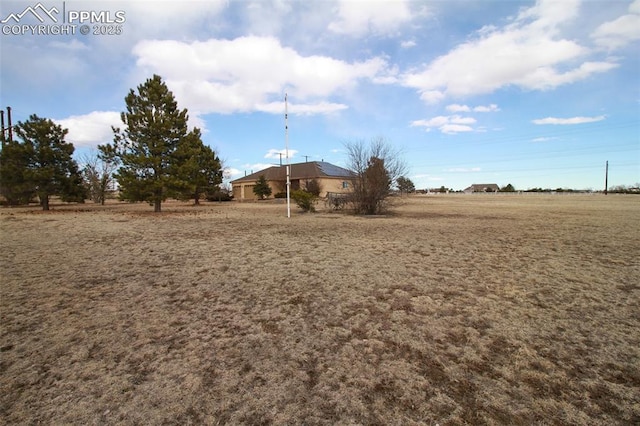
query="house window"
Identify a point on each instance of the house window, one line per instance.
(345, 185)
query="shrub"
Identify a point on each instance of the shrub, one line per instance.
(375, 168)
(219, 195)
(305, 200)
(281, 194)
(313, 187)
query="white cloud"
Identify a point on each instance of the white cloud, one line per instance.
(256, 167)
(407, 44)
(528, 53)
(247, 73)
(275, 154)
(432, 122)
(458, 108)
(548, 14)
(94, 128)
(466, 108)
(456, 119)
(358, 18)
(91, 129)
(432, 96)
(486, 108)
(621, 31)
(230, 172)
(447, 124)
(195, 120)
(545, 78)
(451, 129)
(301, 109)
(573, 120)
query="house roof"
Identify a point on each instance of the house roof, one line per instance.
(482, 187)
(308, 170)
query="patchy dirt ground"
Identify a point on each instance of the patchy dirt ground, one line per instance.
(456, 310)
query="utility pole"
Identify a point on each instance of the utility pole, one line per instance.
(2, 126)
(606, 178)
(9, 123)
(8, 130)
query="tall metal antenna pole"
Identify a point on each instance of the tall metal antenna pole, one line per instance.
(286, 150)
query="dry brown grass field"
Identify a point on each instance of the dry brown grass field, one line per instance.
(455, 310)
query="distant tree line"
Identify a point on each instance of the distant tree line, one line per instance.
(624, 189)
(154, 157)
(567, 190)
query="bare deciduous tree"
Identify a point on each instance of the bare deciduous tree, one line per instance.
(98, 174)
(376, 166)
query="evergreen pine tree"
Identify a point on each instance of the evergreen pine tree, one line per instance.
(147, 148)
(41, 164)
(14, 185)
(262, 188)
(508, 188)
(405, 185)
(198, 166)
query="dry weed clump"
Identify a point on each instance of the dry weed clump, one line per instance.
(455, 310)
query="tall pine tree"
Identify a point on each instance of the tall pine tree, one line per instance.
(148, 148)
(198, 166)
(15, 187)
(41, 164)
(262, 188)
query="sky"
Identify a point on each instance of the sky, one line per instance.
(533, 93)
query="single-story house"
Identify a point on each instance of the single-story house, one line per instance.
(482, 187)
(331, 178)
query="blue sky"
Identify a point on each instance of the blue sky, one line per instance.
(532, 93)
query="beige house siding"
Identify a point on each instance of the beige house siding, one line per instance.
(244, 190)
(326, 185)
(334, 185)
(301, 174)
